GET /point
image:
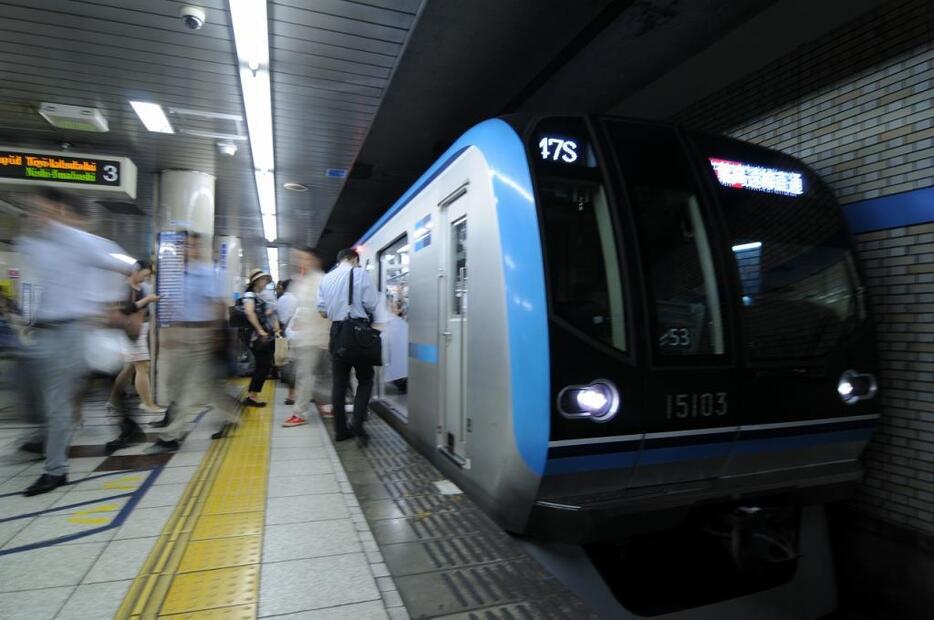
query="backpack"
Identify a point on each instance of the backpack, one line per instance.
(236, 314)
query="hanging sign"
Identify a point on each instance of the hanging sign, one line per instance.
(107, 175)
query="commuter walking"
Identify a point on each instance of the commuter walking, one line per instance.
(346, 293)
(307, 332)
(140, 297)
(191, 349)
(63, 259)
(285, 310)
(262, 318)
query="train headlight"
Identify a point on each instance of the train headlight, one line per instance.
(856, 386)
(598, 401)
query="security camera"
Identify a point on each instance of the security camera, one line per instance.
(192, 17)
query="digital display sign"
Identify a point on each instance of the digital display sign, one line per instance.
(758, 178)
(72, 170)
(566, 150)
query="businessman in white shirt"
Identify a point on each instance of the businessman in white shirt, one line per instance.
(333, 304)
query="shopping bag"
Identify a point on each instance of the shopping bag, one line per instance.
(281, 354)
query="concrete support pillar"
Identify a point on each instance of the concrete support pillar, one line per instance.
(185, 202)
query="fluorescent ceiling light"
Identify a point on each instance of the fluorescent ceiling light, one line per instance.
(270, 227)
(266, 188)
(272, 254)
(251, 35)
(258, 104)
(742, 247)
(152, 116)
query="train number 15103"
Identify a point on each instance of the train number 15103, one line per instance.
(682, 406)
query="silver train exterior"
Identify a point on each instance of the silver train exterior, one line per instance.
(588, 355)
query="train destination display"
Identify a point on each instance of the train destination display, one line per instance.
(74, 171)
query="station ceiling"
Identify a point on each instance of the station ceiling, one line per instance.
(330, 63)
(375, 87)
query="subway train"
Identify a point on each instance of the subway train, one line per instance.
(599, 326)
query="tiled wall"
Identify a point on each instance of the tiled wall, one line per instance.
(856, 105)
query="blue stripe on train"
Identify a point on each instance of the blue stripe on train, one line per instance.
(660, 456)
(423, 352)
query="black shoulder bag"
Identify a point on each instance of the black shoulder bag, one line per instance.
(357, 342)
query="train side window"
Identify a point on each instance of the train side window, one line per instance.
(676, 255)
(583, 266)
(393, 314)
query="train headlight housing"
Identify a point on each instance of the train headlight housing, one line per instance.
(856, 386)
(598, 401)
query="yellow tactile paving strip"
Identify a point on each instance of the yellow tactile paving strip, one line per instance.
(206, 562)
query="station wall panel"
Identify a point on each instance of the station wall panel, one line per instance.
(856, 105)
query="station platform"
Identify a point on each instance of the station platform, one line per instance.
(266, 522)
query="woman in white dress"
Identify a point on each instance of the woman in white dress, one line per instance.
(137, 353)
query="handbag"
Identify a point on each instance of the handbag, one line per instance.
(281, 355)
(356, 341)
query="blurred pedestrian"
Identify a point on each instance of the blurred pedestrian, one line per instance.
(139, 297)
(63, 260)
(307, 332)
(264, 326)
(336, 303)
(192, 348)
(285, 310)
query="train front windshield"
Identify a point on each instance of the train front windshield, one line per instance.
(797, 274)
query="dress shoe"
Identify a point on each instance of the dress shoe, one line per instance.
(34, 447)
(343, 437)
(249, 402)
(44, 484)
(161, 446)
(224, 430)
(117, 444)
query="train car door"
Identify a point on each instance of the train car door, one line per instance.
(454, 280)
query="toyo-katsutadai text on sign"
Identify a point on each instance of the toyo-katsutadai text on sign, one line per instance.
(62, 169)
(80, 172)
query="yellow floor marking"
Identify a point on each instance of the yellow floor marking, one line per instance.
(223, 587)
(206, 562)
(84, 517)
(221, 553)
(240, 612)
(223, 526)
(126, 483)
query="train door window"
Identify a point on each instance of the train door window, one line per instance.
(583, 264)
(676, 255)
(394, 286)
(459, 277)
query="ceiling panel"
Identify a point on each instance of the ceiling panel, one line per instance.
(331, 62)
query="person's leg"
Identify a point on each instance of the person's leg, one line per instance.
(340, 375)
(143, 387)
(361, 401)
(322, 393)
(304, 379)
(61, 355)
(120, 383)
(178, 365)
(263, 354)
(290, 373)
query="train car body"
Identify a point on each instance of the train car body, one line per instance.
(595, 326)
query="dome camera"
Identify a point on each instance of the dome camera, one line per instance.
(192, 17)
